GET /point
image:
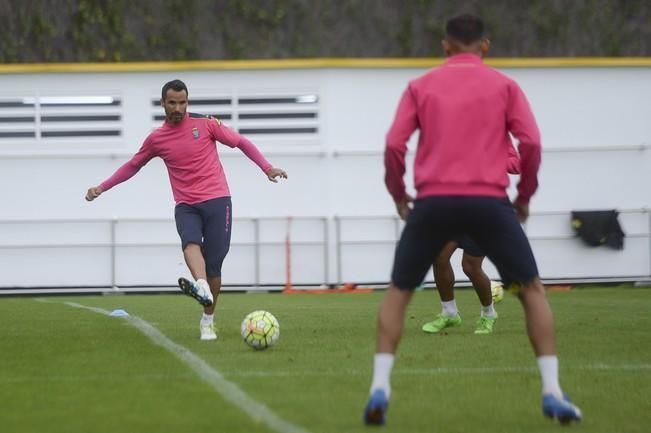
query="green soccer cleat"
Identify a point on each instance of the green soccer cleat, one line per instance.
(441, 322)
(485, 325)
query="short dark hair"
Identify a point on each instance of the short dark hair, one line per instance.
(465, 28)
(177, 85)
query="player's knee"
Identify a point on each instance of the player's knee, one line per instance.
(191, 245)
(471, 267)
(531, 288)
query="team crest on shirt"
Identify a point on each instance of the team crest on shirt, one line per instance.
(195, 133)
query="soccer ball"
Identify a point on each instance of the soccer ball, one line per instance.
(497, 290)
(260, 329)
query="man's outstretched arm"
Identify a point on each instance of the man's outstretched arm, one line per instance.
(124, 173)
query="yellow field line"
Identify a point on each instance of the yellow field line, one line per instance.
(318, 63)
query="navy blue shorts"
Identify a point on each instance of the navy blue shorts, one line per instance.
(469, 246)
(490, 222)
(207, 224)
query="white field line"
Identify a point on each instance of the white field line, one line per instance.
(228, 390)
(624, 368)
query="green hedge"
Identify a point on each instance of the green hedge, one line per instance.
(141, 30)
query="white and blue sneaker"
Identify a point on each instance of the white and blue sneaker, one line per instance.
(561, 409)
(376, 408)
(199, 290)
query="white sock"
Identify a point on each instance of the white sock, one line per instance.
(382, 366)
(548, 366)
(450, 308)
(488, 311)
(207, 319)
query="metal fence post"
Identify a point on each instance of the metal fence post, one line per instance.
(113, 255)
(325, 250)
(338, 248)
(256, 250)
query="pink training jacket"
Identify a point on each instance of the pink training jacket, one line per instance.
(190, 155)
(513, 165)
(465, 111)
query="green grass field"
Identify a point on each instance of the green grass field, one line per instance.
(66, 369)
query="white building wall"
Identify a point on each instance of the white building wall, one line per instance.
(595, 130)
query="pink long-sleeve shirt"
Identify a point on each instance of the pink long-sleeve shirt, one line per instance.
(465, 111)
(190, 155)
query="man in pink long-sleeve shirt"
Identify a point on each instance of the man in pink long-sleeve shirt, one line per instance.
(186, 143)
(465, 112)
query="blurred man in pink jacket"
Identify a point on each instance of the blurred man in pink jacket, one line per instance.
(465, 112)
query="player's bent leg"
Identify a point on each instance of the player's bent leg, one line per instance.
(194, 259)
(391, 318)
(508, 248)
(540, 328)
(444, 278)
(539, 318)
(472, 267)
(443, 272)
(389, 330)
(198, 289)
(217, 217)
(416, 251)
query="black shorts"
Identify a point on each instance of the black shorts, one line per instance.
(469, 246)
(207, 224)
(490, 222)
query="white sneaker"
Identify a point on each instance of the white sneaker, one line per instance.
(199, 290)
(207, 332)
(203, 290)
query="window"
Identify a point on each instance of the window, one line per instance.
(52, 117)
(282, 116)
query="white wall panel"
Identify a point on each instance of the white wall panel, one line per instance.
(596, 156)
(55, 267)
(561, 259)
